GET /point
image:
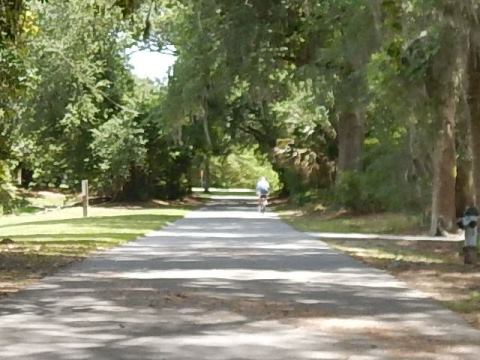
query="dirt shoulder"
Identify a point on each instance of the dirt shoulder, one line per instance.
(434, 267)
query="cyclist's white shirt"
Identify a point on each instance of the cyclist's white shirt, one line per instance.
(263, 187)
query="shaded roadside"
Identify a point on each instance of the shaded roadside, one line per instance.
(434, 267)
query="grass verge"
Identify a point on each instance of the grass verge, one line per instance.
(318, 219)
(36, 245)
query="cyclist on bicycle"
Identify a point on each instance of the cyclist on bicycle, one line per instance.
(262, 189)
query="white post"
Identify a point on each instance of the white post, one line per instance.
(19, 176)
(85, 197)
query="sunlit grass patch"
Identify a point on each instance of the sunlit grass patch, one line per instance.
(47, 199)
(316, 218)
(468, 305)
(29, 202)
(67, 232)
(385, 253)
(40, 243)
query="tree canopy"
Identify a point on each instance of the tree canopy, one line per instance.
(372, 103)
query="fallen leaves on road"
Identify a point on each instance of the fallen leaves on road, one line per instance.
(258, 308)
(435, 268)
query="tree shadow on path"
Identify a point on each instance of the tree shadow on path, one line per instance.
(228, 285)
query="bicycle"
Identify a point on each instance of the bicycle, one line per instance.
(262, 203)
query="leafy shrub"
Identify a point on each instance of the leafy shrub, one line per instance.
(118, 144)
(355, 192)
(383, 185)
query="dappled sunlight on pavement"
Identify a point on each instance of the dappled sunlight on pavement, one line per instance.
(228, 283)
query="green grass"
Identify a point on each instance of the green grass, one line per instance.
(388, 251)
(46, 199)
(30, 202)
(306, 219)
(46, 241)
(466, 306)
(66, 232)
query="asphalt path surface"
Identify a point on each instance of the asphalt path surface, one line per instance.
(228, 283)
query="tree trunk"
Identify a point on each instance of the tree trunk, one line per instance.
(474, 106)
(136, 188)
(475, 128)
(206, 174)
(464, 189)
(447, 74)
(350, 141)
(444, 83)
(444, 174)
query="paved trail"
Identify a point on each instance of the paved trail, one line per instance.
(228, 283)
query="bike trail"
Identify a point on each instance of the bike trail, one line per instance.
(228, 283)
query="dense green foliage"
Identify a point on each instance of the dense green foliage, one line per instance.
(242, 169)
(77, 111)
(370, 100)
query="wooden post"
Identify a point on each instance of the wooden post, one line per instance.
(19, 176)
(85, 197)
